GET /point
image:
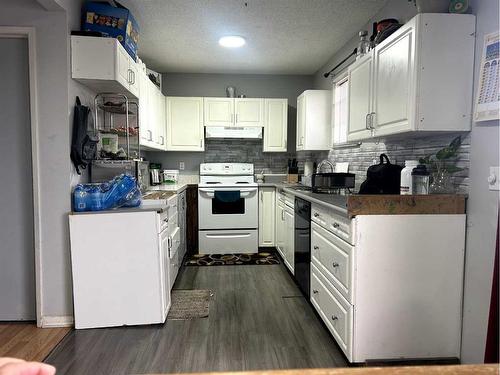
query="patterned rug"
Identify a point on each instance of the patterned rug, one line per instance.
(232, 259)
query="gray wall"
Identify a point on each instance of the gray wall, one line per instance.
(482, 207)
(53, 131)
(257, 86)
(480, 151)
(17, 255)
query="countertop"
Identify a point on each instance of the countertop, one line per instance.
(177, 188)
(406, 370)
(157, 207)
(354, 204)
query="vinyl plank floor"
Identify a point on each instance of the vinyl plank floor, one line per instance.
(258, 320)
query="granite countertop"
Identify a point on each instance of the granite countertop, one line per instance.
(176, 188)
(355, 204)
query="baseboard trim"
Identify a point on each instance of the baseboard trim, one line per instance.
(57, 321)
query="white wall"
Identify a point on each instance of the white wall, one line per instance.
(482, 205)
(482, 208)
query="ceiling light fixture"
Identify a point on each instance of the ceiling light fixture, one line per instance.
(232, 41)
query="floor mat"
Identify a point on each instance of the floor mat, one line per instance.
(189, 304)
(232, 259)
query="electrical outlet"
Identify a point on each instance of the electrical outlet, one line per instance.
(181, 165)
(494, 178)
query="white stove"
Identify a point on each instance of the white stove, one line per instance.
(227, 209)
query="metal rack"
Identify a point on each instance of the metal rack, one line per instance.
(106, 107)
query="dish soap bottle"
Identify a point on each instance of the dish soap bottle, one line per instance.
(406, 187)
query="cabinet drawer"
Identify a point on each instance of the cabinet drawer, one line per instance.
(334, 258)
(173, 224)
(335, 311)
(337, 224)
(163, 221)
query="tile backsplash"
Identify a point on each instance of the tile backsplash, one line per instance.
(361, 157)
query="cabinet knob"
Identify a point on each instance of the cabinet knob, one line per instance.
(335, 264)
(316, 214)
(315, 291)
(336, 225)
(334, 318)
(316, 247)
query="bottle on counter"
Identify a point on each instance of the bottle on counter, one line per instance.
(420, 180)
(406, 187)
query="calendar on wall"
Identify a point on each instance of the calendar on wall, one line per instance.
(488, 94)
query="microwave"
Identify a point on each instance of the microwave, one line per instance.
(106, 170)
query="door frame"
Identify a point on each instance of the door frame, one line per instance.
(29, 34)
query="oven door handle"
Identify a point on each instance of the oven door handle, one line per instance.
(245, 192)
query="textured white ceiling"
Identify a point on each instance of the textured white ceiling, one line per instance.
(283, 36)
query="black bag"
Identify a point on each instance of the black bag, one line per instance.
(382, 178)
(83, 145)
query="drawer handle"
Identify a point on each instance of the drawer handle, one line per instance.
(335, 264)
(316, 247)
(334, 318)
(316, 214)
(165, 220)
(336, 225)
(315, 291)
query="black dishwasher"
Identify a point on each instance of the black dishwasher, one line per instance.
(302, 251)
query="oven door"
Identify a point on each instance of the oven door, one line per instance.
(227, 208)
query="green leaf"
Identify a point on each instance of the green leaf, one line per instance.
(453, 169)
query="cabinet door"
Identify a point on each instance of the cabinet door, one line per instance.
(392, 81)
(161, 128)
(134, 77)
(249, 112)
(301, 120)
(360, 96)
(144, 110)
(153, 113)
(290, 238)
(164, 272)
(185, 131)
(219, 111)
(275, 125)
(123, 72)
(267, 216)
(280, 230)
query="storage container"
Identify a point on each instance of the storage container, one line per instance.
(114, 22)
(170, 176)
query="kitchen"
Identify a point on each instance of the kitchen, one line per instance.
(272, 102)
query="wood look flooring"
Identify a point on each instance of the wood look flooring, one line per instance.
(258, 320)
(27, 341)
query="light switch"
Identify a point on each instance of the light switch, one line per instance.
(493, 178)
(181, 165)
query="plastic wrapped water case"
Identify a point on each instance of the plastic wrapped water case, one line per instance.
(115, 22)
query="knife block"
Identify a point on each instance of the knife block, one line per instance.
(292, 178)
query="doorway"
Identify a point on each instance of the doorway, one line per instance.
(17, 245)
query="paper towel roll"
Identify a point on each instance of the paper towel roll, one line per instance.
(308, 168)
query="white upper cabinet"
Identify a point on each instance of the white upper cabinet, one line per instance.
(249, 112)
(418, 79)
(151, 114)
(241, 112)
(275, 125)
(185, 131)
(103, 65)
(219, 111)
(359, 103)
(314, 116)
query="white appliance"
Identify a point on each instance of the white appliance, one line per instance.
(227, 209)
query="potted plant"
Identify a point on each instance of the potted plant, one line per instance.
(442, 166)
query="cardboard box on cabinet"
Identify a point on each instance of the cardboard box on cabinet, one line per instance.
(115, 22)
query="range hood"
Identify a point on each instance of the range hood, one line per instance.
(233, 132)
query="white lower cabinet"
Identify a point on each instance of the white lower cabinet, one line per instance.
(389, 286)
(267, 202)
(335, 311)
(280, 226)
(289, 249)
(285, 231)
(119, 266)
